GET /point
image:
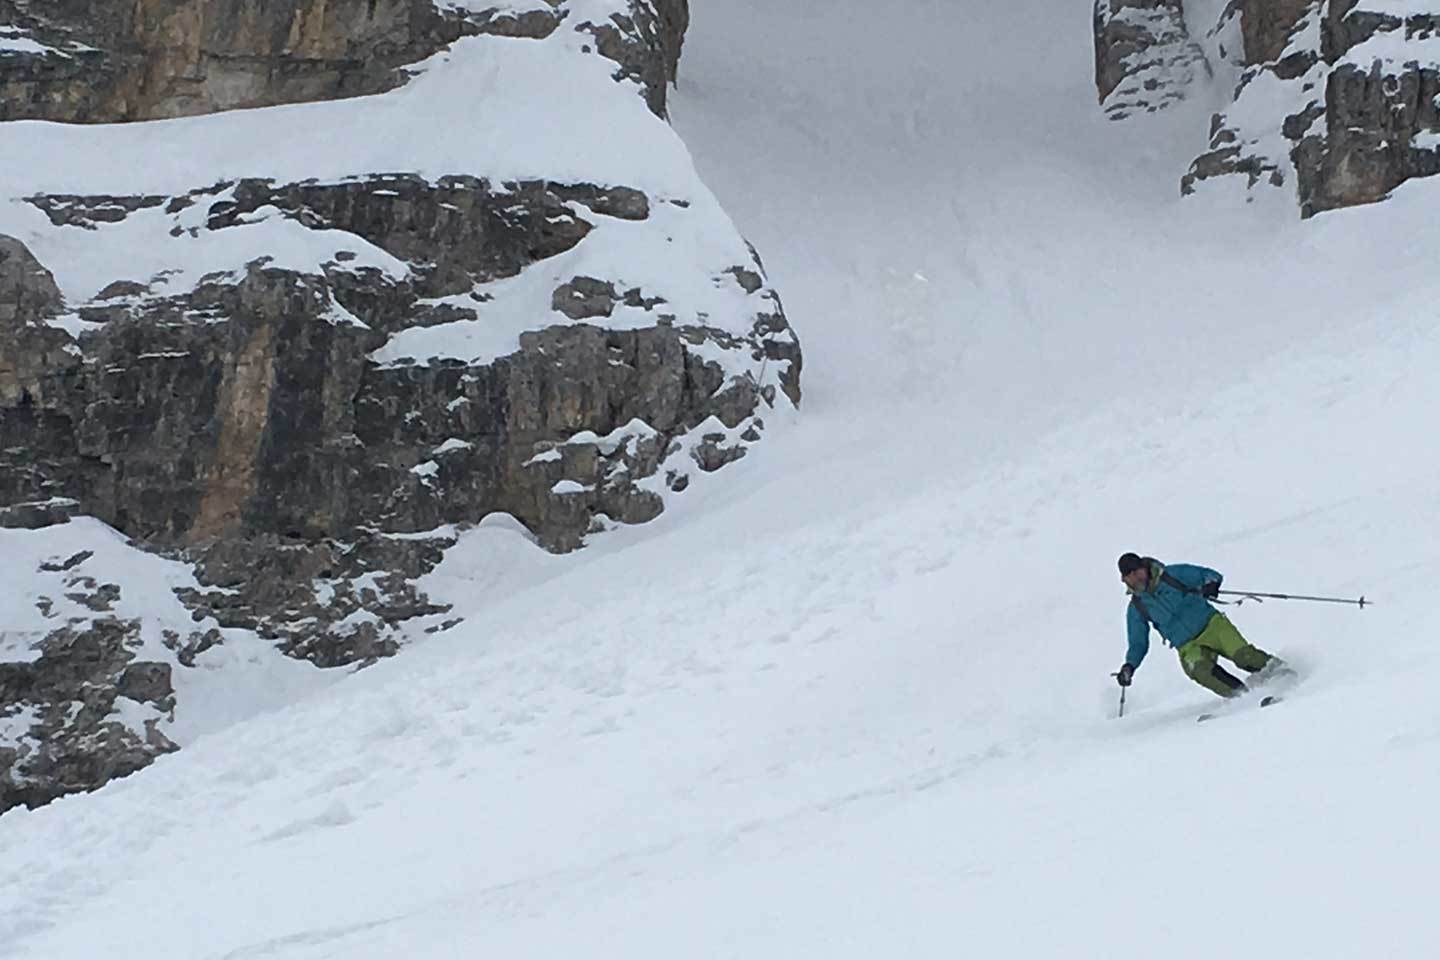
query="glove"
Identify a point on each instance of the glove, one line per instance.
(1125, 675)
(1210, 590)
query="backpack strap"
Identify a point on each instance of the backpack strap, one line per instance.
(1165, 577)
(1135, 602)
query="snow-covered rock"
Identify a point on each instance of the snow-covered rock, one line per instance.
(104, 666)
(1145, 59)
(247, 336)
(1335, 100)
(96, 61)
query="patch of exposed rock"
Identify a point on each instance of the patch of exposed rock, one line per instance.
(62, 714)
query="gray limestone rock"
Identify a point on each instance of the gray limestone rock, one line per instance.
(270, 419)
(1336, 120)
(1380, 122)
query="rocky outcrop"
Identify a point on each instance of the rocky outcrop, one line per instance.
(1272, 47)
(253, 406)
(61, 726)
(1379, 123)
(92, 61)
(332, 603)
(121, 648)
(303, 388)
(1333, 99)
(631, 40)
(1145, 59)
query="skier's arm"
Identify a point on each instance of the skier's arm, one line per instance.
(1195, 577)
(1139, 632)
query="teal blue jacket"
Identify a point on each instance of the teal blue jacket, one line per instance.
(1179, 615)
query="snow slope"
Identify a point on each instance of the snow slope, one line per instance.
(852, 700)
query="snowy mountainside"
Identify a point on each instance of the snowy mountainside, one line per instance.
(298, 345)
(854, 733)
(856, 703)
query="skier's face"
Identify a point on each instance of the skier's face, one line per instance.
(1137, 579)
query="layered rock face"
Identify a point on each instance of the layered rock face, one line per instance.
(1334, 99)
(254, 404)
(1381, 109)
(298, 349)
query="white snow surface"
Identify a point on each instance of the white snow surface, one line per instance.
(849, 698)
(16, 41)
(12, 44)
(1393, 49)
(1397, 8)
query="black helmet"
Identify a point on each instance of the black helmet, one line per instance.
(1129, 563)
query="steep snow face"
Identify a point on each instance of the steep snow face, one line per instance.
(856, 704)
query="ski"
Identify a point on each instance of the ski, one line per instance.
(1264, 702)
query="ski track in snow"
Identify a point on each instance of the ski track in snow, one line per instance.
(851, 698)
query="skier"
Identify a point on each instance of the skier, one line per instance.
(1176, 601)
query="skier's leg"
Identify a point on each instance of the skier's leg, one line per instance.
(1221, 636)
(1199, 664)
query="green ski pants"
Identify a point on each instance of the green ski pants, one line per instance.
(1198, 658)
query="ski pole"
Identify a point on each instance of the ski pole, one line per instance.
(1122, 698)
(1260, 597)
